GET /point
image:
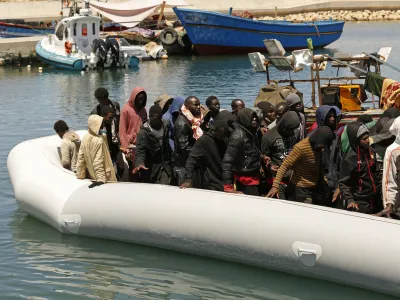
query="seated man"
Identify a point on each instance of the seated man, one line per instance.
(207, 155)
(94, 155)
(69, 146)
(153, 152)
(110, 124)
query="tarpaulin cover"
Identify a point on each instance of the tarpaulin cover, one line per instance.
(131, 13)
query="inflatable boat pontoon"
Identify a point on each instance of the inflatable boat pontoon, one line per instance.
(319, 242)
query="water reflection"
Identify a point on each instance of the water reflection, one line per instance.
(103, 269)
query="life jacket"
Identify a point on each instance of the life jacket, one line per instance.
(68, 47)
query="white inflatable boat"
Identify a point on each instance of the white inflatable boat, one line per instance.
(334, 245)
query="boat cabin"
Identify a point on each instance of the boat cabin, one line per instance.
(77, 33)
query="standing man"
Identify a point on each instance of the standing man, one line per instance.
(101, 95)
(153, 153)
(307, 183)
(187, 130)
(69, 146)
(357, 179)
(213, 105)
(237, 105)
(242, 160)
(94, 155)
(207, 155)
(295, 104)
(280, 110)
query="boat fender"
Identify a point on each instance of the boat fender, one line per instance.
(71, 223)
(68, 47)
(168, 36)
(307, 253)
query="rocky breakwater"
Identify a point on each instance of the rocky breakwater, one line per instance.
(340, 15)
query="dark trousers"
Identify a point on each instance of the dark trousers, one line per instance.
(251, 190)
(300, 194)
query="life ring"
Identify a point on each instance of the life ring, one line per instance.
(68, 47)
(67, 2)
(168, 36)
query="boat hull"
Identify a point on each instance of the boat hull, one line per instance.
(8, 30)
(215, 33)
(304, 240)
(58, 61)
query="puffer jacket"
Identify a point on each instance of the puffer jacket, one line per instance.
(151, 154)
(94, 155)
(242, 156)
(183, 140)
(70, 145)
(357, 179)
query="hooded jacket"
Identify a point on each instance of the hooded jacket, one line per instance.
(389, 183)
(242, 155)
(183, 140)
(153, 155)
(358, 173)
(70, 145)
(168, 116)
(274, 144)
(94, 155)
(206, 156)
(131, 120)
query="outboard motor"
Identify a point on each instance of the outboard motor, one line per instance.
(100, 48)
(113, 45)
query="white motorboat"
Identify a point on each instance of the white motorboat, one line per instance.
(76, 45)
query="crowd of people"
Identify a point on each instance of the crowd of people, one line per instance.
(263, 151)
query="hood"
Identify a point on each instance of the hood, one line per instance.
(73, 136)
(94, 124)
(176, 104)
(323, 136)
(392, 113)
(244, 117)
(134, 94)
(352, 132)
(395, 129)
(162, 100)
(289, 121)
(322, 112)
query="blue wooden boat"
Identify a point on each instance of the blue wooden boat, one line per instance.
(8, 30)
(217, 33)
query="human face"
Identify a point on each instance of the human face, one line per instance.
(297, 107)
(220, 134)
(214, 107)
(279, 114)
(193, 105)
(155, 121)
(108, 118)
(364, 141)
(330, 120)
(254, 123)
(141, 100)
(237, 105)
(102, 100)
(270, 116)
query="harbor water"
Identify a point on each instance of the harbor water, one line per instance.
(37, 262)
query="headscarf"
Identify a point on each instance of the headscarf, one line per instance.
(131, 119)
(195, 121)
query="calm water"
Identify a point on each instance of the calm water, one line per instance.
(37, 262)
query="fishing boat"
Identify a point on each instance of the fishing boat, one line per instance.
(292, 237)
(216, 33)
(76, 45)
(346, 91)
(9, 30)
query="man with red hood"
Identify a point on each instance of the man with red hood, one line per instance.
(133, 114)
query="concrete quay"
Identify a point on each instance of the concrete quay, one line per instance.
(17, 48)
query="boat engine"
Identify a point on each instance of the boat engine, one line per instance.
(113, 47)
(100, 48)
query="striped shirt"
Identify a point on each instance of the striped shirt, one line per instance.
(304, 162)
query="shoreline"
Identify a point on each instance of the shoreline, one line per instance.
(338, 15)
